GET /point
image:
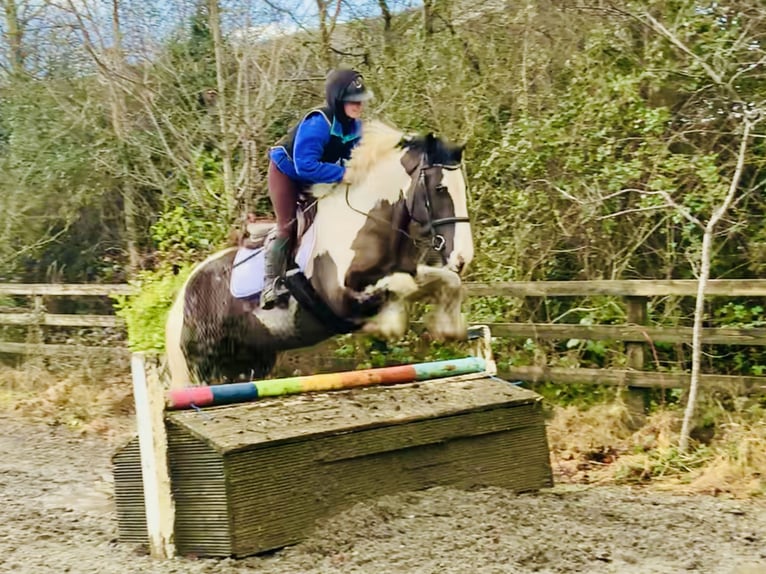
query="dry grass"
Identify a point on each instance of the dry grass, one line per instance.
(599, 446)
(738, 463)
(91, 397)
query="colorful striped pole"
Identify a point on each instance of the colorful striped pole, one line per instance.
(244, 392)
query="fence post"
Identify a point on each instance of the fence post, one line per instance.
(635, 398)
(35, 332)
(149, 396)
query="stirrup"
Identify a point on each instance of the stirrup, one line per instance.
(274, 293)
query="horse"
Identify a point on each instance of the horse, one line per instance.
(396, 230)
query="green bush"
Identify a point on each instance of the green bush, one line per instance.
(146, 311)
(182, 235)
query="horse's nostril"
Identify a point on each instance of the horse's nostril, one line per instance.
(459, 265)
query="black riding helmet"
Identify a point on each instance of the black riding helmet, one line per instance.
(345, 86)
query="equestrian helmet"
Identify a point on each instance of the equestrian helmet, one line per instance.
(356, 91)
(346, 85)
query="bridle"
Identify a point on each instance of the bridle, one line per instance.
(429, 227)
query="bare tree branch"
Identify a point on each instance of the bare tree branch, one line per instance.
(704, 275)
(663, 31)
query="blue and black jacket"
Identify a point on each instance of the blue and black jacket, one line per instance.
(315, 150)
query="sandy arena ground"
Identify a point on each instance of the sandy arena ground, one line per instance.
(57, 516)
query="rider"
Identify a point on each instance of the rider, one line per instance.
(313, 151)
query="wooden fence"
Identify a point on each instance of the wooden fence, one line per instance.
(35, 317)
(635, 332)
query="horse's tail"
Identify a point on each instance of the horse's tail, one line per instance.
(180, 376)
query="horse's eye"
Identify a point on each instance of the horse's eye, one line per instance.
(441, 189)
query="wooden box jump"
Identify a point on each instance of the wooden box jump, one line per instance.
(258, 476)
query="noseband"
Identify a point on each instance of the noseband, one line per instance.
(429, 227)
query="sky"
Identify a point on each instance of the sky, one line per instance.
(146, 24)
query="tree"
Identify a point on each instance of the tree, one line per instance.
(222, 106)
(116, 76)
(14, 32)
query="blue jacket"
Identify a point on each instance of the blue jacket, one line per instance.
(315, 150)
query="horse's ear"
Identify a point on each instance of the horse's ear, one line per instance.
(405, 142)
(459, 149)
(432, 145)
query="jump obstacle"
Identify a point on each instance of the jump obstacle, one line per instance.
(243, 392)
(234, 470)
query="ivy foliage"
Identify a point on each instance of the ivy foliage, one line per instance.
(145, 313)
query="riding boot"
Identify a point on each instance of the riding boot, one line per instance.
(275, 263)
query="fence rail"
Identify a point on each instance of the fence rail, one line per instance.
(636, 334)
(37, 317)
(65, 289)
(620, 288)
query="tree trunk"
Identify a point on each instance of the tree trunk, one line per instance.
(119, 125)
(326, 28)
(230, 192)
(428, 17)
(14, 33)
(387, 30)
(524, 95)
(699, 308)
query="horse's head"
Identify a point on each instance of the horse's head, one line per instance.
(436, 200)
(402, 206)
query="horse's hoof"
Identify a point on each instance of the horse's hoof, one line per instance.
(443, 327)
(391, 323)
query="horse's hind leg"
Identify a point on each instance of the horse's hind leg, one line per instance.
(248, 364)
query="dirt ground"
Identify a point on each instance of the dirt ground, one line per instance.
(57, 516)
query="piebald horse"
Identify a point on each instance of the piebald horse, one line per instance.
(396, 231)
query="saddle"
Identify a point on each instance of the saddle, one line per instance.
(248, 266)
(258, 233)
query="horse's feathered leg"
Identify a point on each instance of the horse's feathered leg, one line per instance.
(445, 289)
(392, 320)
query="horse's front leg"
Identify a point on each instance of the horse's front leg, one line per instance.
(392, 320)
(444, 289)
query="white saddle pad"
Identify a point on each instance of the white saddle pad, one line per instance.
(247, 273)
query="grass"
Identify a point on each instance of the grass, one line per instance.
(88, 396)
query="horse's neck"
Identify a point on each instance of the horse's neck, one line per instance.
(347, 206)
(342, 214)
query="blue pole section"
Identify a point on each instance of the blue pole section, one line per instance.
(437, 369)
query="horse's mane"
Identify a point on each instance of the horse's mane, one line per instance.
(378, 139)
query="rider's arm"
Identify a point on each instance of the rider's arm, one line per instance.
(310, 141)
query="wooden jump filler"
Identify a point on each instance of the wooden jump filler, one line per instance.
(245, 478)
